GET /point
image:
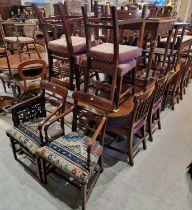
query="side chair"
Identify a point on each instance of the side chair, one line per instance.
(133, 123)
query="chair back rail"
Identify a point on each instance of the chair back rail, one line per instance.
(30, 76)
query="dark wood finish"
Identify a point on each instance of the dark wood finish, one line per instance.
(30, 80)
(4, 4)
(132, 123)
(86, 108)
(14, 61)
(34, 108)
(157, 26)
(155, 108)
(117, 95)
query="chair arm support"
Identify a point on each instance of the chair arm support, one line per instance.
(48, 117)
(95, 135)
(50, 122)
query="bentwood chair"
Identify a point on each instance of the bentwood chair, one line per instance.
(155, 107)
(29, 118)
(79, 153)
(134, 123)
(113, 60)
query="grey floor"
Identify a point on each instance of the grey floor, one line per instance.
(158, 181)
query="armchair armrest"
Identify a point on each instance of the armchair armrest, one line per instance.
(94, 137)
(51, 121)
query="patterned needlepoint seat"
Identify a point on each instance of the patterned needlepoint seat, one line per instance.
(60, 45)
(27, 134)
(104, 52)
(69, 154)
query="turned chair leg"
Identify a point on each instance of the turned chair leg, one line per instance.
(83, 196)
(143, 132)
(149, 123)
(173, 102)
(159, 119)
(13, 148)
(43, 167)
(39, 169)
(130, 151)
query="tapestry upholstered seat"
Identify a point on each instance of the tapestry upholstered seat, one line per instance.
(27, 134)
(69, 154)
(105, 52)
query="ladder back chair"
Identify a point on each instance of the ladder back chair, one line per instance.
(80, 162)
(111, 59)
(29, 118)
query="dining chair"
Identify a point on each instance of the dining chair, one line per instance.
(153, 118)
(173, 88)
(7, 76)
(19, 38)
(78, 155)
(31, 73)
(113, 60)
(185, 77)
(29, 117)
(133, 123)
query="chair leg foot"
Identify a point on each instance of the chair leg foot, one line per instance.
(39, 169)
(13, 148)
(83, 196)
(43, 167)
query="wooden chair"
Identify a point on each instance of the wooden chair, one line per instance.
(185, 77)
(20, 40)
(68, 49)
(111, 59)
(155, 107)
(153, 8)
(173, 88)
(29, 118)
(132, 6)
(7, 77)
(166, 11)
(79, 154)
(31, 72)
(132, 123)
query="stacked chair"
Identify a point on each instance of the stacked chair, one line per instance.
(69, 138)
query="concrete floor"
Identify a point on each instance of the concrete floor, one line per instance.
(158, 180)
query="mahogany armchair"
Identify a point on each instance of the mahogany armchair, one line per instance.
(78, 155)
(29, 118)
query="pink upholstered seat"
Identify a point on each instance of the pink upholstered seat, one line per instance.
(123, 68)
(104, 52)
(60, 45)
